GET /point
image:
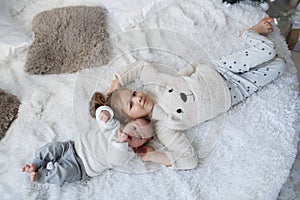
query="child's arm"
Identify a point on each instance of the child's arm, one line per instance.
(132, 72)
(157, 157)
(180, 152)
(141, 151)
(148, 153)
(139, 70)
(187, 71)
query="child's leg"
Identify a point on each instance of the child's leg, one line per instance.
(243, 85)
(259, 50)
(248, 70)
(265, 73)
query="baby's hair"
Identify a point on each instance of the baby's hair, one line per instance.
(97, 100)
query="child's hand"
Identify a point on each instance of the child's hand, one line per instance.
(143, 150)
(122, 137)
(156, 157)
(115, 84)
(104, 116)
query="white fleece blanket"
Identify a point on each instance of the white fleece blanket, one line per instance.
(245, 153)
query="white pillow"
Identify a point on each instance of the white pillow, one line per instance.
(12, 37)
(128, 13)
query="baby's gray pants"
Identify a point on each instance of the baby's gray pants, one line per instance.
(57, 163)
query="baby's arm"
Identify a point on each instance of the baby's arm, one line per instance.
(104, 115)
(120, 152)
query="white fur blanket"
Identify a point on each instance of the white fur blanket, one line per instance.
(253, 145)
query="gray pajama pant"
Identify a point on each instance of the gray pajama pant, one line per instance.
(57, 163)
(248, 70)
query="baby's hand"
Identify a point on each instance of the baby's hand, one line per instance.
(104, 116)
(122, 137)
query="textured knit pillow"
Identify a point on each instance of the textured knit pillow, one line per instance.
(9, 106)
(68, 39)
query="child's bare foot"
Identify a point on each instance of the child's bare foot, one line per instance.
(29, 168)
(32, 170)
(264, 26)
(33, 176)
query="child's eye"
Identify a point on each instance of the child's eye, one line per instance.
(134, 93)
(130, 105)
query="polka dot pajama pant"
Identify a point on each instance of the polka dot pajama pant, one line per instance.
(248, 70)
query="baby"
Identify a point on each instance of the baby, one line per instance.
(103, 148)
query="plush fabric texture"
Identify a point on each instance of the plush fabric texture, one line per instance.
(256, 140)
(68, 39)
(9, 106)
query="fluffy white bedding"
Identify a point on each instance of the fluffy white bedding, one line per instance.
(244, 154)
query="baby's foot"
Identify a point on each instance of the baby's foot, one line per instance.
(264, 26)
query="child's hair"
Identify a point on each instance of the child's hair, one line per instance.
(114, 101)
(97, 100)
(115, 104)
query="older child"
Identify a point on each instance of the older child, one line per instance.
(196, 94)
(101, 149)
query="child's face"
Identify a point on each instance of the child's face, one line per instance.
(139, 132)
(135, 104)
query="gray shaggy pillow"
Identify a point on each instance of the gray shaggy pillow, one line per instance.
(9, 106)
(68, 39)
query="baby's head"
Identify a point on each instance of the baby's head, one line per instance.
(129, 104)
(139, 132)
